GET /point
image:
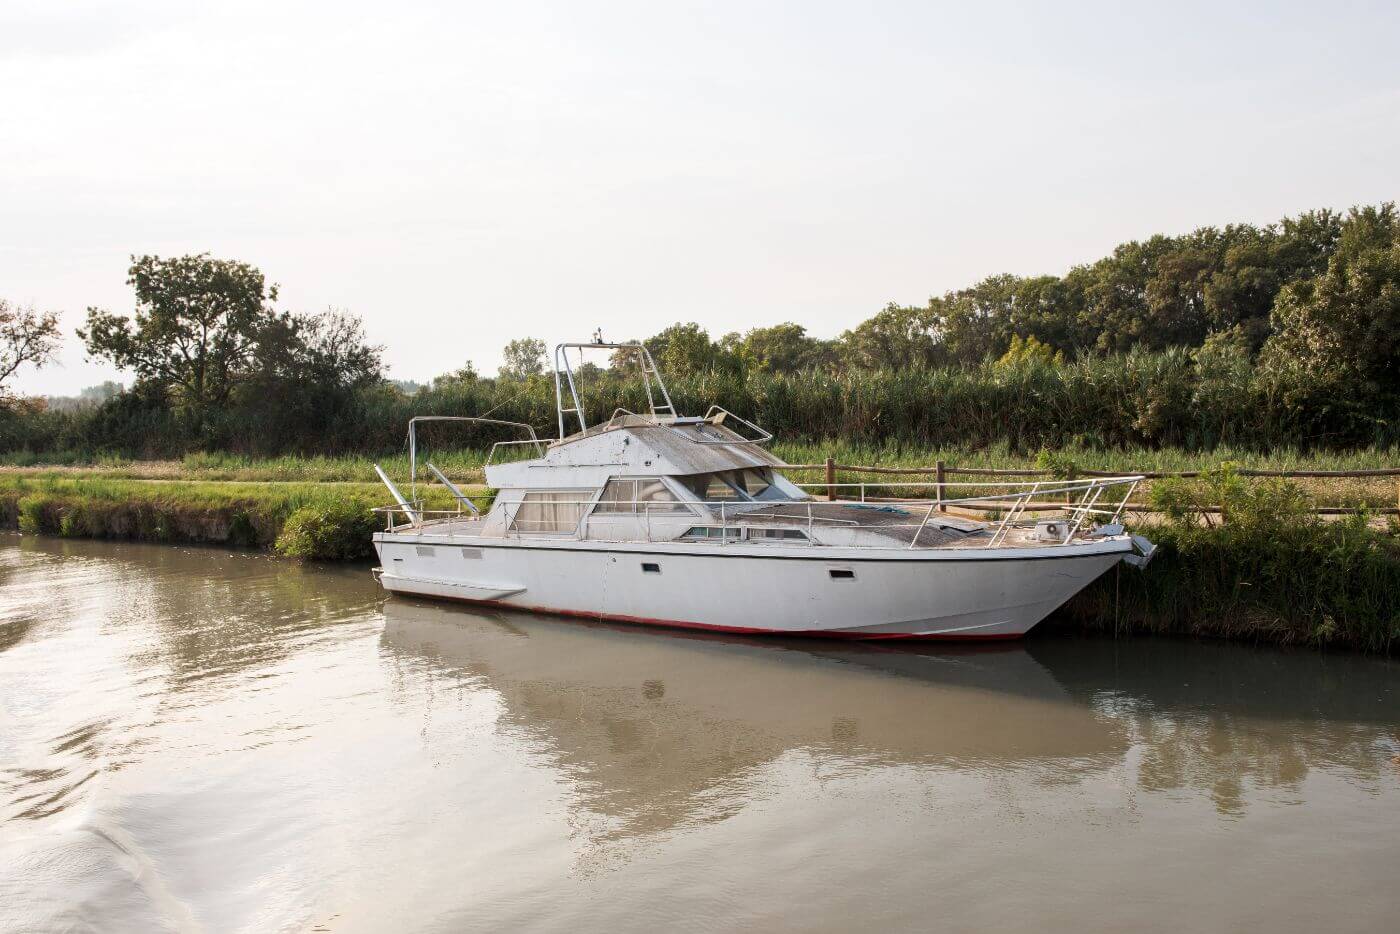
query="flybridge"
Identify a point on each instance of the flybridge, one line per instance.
(710, 428)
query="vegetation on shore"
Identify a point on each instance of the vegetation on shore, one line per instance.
(1272, 571)
(312, 521)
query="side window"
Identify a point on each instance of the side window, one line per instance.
(707, 531)
(649, 497)
(788, 534)
(719, 490)
(655, 498)
(552, 511)
(755, 483)
(618, 496)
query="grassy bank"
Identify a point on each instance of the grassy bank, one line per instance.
(303, 520)
(1334, 584)
(1271, 572)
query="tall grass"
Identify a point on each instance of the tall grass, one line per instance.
(1170, 399)
(1272, 571)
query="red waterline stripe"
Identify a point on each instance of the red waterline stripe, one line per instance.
(737, 630)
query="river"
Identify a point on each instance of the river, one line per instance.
(199, 740)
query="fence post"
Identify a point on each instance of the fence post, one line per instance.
(1069, 481)
(939, 476)
(830, 479)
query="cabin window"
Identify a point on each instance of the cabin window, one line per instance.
(645, 496)
(755, 482)
(749, 484)
(842, 574)
(714, 488)
(553, 511)
(712, 531)
(718, 489)
(784, 534)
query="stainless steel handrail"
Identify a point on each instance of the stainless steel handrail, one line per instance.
(731, 514)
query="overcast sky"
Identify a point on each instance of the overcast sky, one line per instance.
(462, 174)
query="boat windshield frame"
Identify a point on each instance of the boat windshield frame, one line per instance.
(699, 485)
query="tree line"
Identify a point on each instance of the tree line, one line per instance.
(1250, 335)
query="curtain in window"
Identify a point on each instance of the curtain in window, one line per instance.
(554, 511)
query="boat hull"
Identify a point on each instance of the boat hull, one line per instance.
(962, 595)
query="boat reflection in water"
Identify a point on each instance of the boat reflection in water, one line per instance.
(663, 729)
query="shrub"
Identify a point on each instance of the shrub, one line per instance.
(31, 515)
(333, 530)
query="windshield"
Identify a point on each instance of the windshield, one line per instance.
(741, 486)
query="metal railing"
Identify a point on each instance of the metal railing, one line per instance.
(716, 415)
(1018, 505)
(1018, 500)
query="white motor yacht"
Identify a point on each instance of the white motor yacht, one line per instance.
(691, 522)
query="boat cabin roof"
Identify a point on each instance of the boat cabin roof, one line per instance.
(635, 445)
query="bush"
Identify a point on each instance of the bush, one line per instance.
(334, 530)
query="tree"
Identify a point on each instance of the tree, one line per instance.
(683, 349)
(1343, 327)
(331, 349)
(523, 357)
(196, 329)
(27, 338)
(898, 337)
(313, 355)
(104, 391)
(782, 348)
(1030, 351)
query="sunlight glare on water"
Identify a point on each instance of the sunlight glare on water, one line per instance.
(197, 740)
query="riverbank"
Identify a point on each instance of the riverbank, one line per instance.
(318, 521)
(1272, 573)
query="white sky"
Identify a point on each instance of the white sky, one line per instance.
(465, 173)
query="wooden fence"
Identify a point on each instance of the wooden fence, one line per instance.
(941, 471)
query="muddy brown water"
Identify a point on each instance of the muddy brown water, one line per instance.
(194, 740)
